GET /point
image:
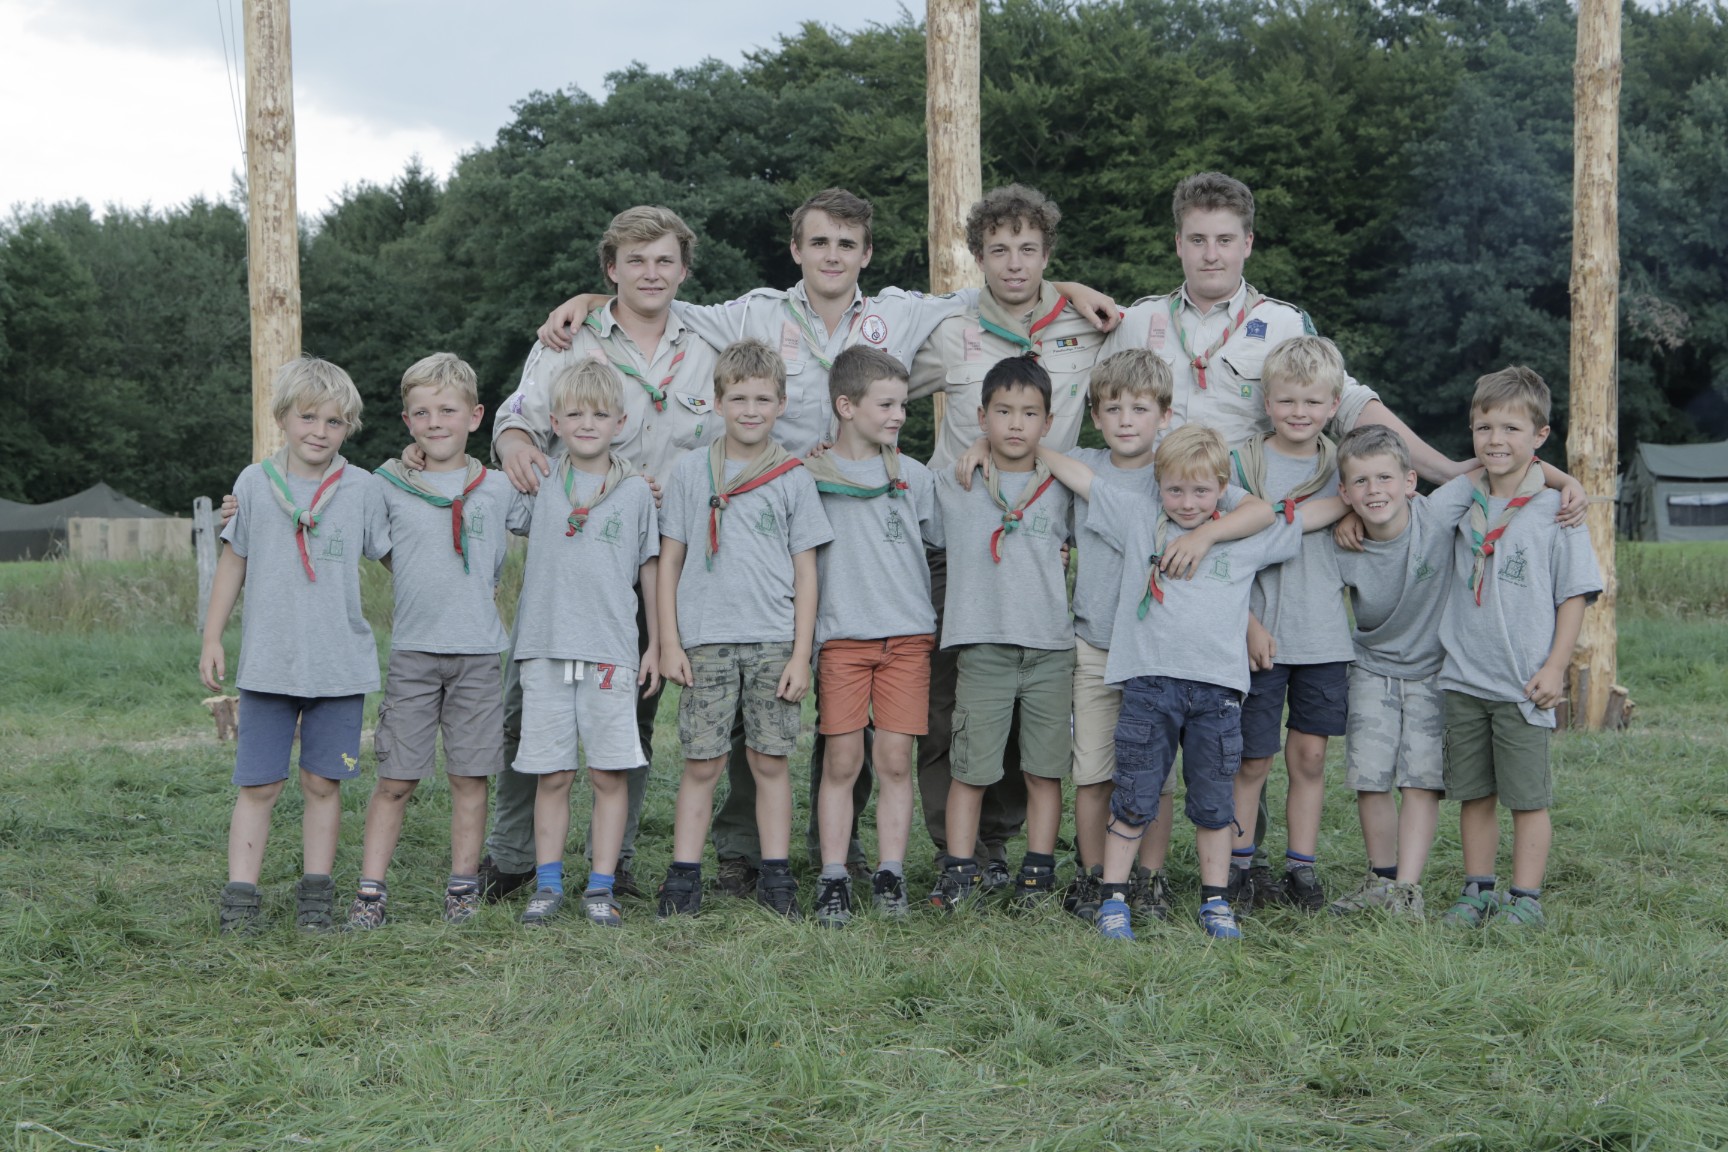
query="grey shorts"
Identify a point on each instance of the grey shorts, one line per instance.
(566, 702)
(725, 677)
(462, 696)
(1395, 736)
(329, 729)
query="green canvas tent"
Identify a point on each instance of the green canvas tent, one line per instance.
(32, 531)
(1676, 492)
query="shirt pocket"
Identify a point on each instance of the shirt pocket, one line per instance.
(1245, 366)
(692, 416)
(965, 389)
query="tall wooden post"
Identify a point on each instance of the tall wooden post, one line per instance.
(951, 121)
(1593, 443)
(272, 233)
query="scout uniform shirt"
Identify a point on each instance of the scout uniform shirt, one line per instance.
(896, 321)
(658, 429)
(1231, 400)
(962, 350)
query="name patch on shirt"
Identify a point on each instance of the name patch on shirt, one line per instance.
(973, 341)
(1158, 331)
(788, 341)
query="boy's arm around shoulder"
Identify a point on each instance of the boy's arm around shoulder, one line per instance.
(1072, 474)
(1182, 558)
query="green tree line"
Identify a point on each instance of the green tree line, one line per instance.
(1412, 161)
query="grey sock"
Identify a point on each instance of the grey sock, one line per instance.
(898, 867)
(833, 871)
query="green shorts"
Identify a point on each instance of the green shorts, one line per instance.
(1491, 750)
(727, 676)
(993, 679)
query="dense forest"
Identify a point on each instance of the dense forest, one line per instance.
(1412, 161)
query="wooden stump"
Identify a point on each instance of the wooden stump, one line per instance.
(226, 712)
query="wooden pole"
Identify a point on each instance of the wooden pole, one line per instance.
(1593, 442)
(205, 546)
(272, 233)
(951, 122)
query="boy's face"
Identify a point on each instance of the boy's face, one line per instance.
(1299, 411)
(1190, 498)
(879, 413)
(587, 428)
(1378, 490)
(1505, 438)
(1014, 421)
(440, 422)
(314, 435)
(1131, 423)
(1013, 263)
(1212, 245)
(832, 253)
(750, 408)
(648, 275)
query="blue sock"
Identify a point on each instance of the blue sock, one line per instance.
(1241, 858)
(1295, 860)
(600, 881)
(550, 876)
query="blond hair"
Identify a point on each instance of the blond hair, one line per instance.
(748, 360)
(587, 382)
(1131, 372)
(1192, 450)
(439, 371)
(1367, 440)
(1207, 191)
(1305, 361)
(309, 383)
(645, 224)
(1512, 387)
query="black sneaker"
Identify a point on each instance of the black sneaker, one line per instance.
(958, 884)
(496, 884)
(778, 890)
(1264, 893)
(1301, 889)
(834, 903)
(315, 903)
(737, 878)
(680, 894)
(241, 912)
(888, 894)
(1240, 889)
(1082, 898)
(1033, 887)
(1149, 894)
(996, 877)
(624, 882)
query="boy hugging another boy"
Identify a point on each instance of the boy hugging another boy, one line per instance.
(875, 626)
(1520, 586)
(448, 540)
(304, 518)
(740, 526)
(592, 537)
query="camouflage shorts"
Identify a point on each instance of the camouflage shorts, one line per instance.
(1396, 733)
(724, 676)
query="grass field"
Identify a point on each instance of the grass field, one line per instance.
(126, 1023)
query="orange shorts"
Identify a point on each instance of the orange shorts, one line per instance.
(880, 682)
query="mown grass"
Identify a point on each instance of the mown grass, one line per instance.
(126, 1023)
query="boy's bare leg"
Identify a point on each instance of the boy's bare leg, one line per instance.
(1479, 831)
(694, 808)
(467, 823)
(1532, 834)
(1305, 758)
(894, 795)
(1212, 845)
(1155, 845)
(320, 822)
(1121, 846)
(384, 812)
(1418, 820)
(611, 811)
(249, 830)
(1043, 812)
(1091, 816)
(843, 759)
(965, 802)
(552, 816)
(773, 804)
(1250, 779)
(1381, 826)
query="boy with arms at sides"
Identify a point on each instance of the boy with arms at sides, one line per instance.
(304, 518)
(448, 540)
(741, 523)
(1519, 589)
(874, 624)
(592, 537)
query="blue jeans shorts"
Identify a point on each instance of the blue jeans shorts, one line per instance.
(329, 736)
(1319, 704)
(1160, 714)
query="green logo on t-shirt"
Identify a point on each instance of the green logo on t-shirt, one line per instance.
(1039, 525)
(766, 524)
(1424, 570)
(614, 529)
(332, 538)
(895, 529)
(1515, 570)
(474, 520)
(1220, 569)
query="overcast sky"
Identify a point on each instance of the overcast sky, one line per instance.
(128, 101)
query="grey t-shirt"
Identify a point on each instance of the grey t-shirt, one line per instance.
(746, 598)
(579, 591)
(439, 607)
(1199, 630)
(1023, 600)
(305, 637)
(874, 579)
(1493, 649)
(1301, 602)
(1399, 586)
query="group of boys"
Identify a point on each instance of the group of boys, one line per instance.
(715, 496)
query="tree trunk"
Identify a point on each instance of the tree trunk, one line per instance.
(951, 121)
(273, 237)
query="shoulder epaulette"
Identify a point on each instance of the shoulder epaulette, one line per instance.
(1307, 322)
(1153, 299)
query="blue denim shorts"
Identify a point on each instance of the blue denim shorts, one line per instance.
(329, 736)
(1319, 704)
(1160, 714)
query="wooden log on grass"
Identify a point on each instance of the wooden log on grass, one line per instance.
(226, 712)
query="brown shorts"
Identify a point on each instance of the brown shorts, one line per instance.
(880, 682)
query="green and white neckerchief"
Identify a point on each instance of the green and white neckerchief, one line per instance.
(413, 481)
(770, 464)
(618, 470)
(656, 393)
(1201, 361)
(1012, 516)
(305, 520)
(1250, 460)
(1482, 537)
(1017, 330)
(830, 479)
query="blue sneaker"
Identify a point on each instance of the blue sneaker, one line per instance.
(1218, 921)
(1113, 920)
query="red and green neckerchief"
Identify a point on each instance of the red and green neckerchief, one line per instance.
(1203, 360)
(413, 482)
(657, 394)
(1155, 578)
(994, 319)
(618, 470)
(1482, 537)
(305, 520)
(1250, 461)
(814, 337)
(772, 463)
(1011, 517)
(830, 479)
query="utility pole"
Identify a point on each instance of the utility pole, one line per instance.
(272, 228)
(1593, 442)
(951, 123)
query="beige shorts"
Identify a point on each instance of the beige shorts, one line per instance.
(1097, 706)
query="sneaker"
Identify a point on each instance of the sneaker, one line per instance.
(367, 911)
(1301, 889)
(1243, 889)
(315, 903)
(1113, 920)
(1149, 893)
(1374, 892)
(624, 883)
(680, 894)
(1033, 887)
(241, 910)
(1262, 892)
(778, 890)
(834, 902)
(461, 904)
(542, 907)
(996, 877)
(1218, 921)
(601, 907)
(496, 884)
(1522, 912)
(958, 884)
(1082, 897)
(737, 878)
(1404, 902)
(859, 870)
(1473, 908)
(888, 894)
